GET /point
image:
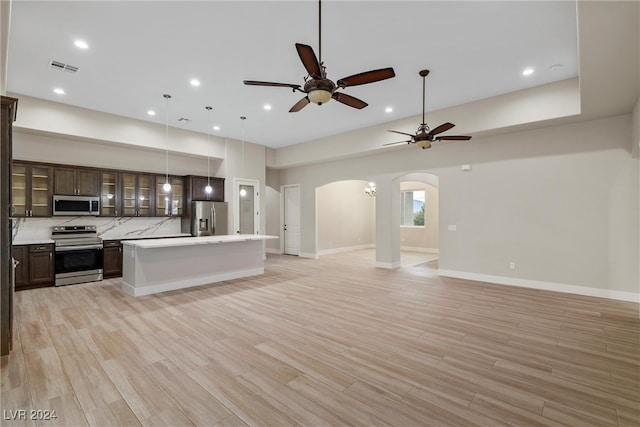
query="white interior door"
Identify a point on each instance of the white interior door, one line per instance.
(291, 225)
(247, 207)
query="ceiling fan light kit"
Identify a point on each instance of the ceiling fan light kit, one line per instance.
(425, 136)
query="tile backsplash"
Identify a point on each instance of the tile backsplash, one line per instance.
(33, 229)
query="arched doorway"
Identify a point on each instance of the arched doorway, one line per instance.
(419, 220)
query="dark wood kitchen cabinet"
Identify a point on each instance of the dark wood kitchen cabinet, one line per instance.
(112, 261)
(21, 255)
(41, 265)
(76, 182)
(36, 266)
(110, 193)
(138, 192)
(31, 189)
(171, 203)
(197, 184)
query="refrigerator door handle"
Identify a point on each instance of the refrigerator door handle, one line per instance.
(213, 220)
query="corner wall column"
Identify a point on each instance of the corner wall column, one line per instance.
(387, 223)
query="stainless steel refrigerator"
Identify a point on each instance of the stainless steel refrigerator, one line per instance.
(207, 219)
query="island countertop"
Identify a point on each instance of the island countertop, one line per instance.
(160, 265)
(189, 241)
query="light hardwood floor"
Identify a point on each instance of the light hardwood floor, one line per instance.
(333, 341)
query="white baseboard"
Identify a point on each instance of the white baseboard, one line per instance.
(419, 249)
(547, 286)
(389, 265)
(273, 251)
(345, 249)
(308, 255)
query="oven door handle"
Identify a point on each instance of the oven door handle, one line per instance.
(76, 248)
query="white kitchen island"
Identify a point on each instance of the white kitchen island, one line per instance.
(159, 265)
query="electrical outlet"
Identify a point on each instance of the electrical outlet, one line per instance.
(452, 228)
(512, 265)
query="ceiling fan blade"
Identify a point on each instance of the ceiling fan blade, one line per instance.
(443, 127)
(309, 60)
(366, 77)
(401, 133)
(349, 100)
(299, 105)
(453, 138)
(257, 83)
(399, 142)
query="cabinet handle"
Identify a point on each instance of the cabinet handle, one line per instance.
(50, 255)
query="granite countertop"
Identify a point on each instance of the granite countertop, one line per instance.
(19, 242)
(45, 240)
(155, 236)
(189, 241)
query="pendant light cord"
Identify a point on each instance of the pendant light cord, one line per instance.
(320, 31)
(167, 138)
(243, 118)
(208, 134)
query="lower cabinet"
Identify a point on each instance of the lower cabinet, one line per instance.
(36, 266)
(112, 263)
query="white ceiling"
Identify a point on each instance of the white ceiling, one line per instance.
(140, 50)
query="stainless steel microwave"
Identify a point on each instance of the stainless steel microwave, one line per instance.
(76, 205)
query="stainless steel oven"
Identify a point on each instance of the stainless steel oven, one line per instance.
(79, 254)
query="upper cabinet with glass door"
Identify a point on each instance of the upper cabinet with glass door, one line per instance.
(31, 193)
(169, 203)
(110, 194)
(137, 194)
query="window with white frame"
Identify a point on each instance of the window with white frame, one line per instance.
(412, 206)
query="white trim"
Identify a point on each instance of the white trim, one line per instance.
(181, 284)
(345, 249)
(388, 265)
(308, 255)
(419, 249)
(547, 286)
(282, 211)
(237, 182)
(273, 251)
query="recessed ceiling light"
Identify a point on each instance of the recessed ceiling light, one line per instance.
(388, 110)
(151, 113)
(216, 128)
(59, 91)
(81, 44)
(195, 82)
(527, 71)
(267, 107)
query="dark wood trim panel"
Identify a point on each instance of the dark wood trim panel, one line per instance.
(8, 113)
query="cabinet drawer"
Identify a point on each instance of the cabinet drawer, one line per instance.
(41, 248)
(111, 243)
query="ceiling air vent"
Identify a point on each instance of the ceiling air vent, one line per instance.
(57, 65)
(184, 119)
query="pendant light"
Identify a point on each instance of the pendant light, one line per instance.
(167, 186)
(208, 188)
(243, 192)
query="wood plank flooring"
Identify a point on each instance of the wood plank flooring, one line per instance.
(333, 341)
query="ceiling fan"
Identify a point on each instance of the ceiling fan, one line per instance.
(317, 87)
(425, 136)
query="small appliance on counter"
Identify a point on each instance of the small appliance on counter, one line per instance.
(78, 254)
(207, 219)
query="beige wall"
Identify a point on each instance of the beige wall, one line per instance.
(561, 202)
(345, 215)
(423, 238)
